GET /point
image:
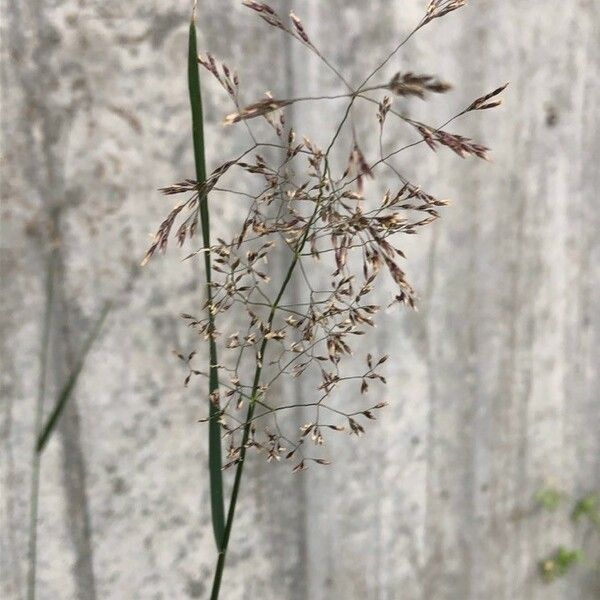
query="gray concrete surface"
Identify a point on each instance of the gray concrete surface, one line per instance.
(495, 382)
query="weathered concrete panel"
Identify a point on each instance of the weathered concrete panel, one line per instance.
(495, 382)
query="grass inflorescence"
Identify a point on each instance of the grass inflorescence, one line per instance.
(295, 203)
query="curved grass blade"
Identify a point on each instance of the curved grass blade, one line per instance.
(67, 389)
(214, 429)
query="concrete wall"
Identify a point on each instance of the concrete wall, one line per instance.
(495, 382)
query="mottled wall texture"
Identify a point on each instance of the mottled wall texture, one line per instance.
(494, 386)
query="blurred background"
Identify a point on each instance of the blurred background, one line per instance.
(469, 478)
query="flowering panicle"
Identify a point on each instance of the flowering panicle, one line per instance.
(292, 202)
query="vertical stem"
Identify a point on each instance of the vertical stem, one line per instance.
(214, 431)
(46, 431)
(39, 414)
(240, 465)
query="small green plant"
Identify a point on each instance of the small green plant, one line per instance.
(588, 507)
(549, 498)
(559, 563)
(585, 510)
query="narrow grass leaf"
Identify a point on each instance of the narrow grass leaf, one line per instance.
(69, 386)
(214, 432)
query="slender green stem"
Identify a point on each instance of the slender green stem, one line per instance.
(39, 413)
(240, 465)
(218, 576)
(214, 431)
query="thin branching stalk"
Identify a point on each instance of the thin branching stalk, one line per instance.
(220, 566)
(249, 417)
(214, 433)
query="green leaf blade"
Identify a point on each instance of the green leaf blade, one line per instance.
(67, 389)
(214, 432)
